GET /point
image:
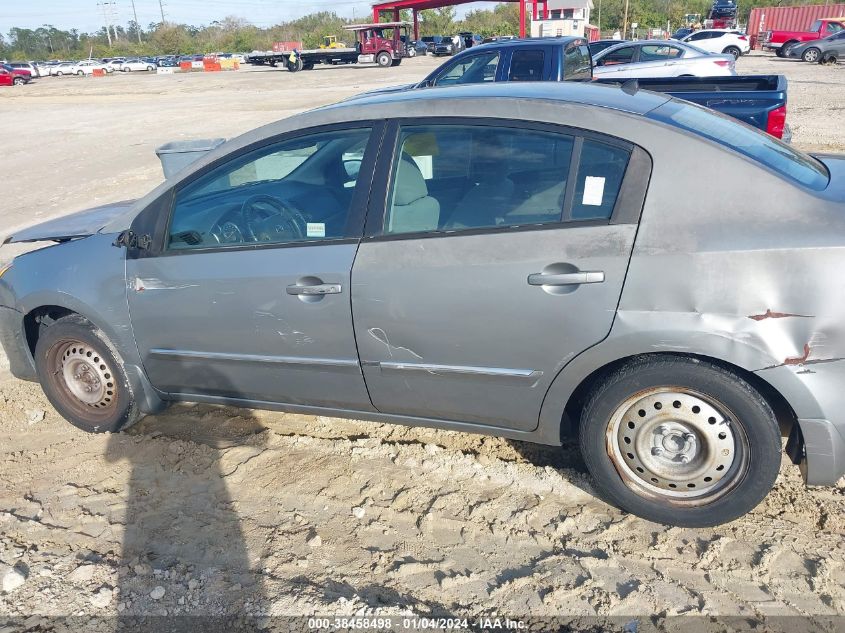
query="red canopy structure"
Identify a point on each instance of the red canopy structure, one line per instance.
(418, 5)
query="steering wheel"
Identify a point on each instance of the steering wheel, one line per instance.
(268, 219)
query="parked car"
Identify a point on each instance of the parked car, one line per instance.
(137, 64)
(661, 58)
(682, 32)
(32, 68)
(829, 49)
(86, 67)
(780, 41)
(611, 312)
(114, 64)
(725, 41)
(20, 76)
(599, 45)
(431, 41)
(64, 68)
(9, 79)
(448, 46)
(759, 100)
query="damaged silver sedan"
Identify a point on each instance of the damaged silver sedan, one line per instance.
(529, 261)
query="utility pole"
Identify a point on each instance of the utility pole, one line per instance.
(106, 20)
(599, 24)
(137, 26)
(625, 23)
(161, 7)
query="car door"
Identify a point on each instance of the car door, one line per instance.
(466, 310)
(244, 293)
(837, 45)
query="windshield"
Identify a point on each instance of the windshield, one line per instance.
(751, 142)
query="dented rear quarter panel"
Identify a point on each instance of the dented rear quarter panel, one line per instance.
(755, 284)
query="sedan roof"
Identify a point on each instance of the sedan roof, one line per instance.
(603, 96)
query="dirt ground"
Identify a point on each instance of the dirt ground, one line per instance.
(210, 511)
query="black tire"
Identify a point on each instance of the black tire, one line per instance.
(384, 59)
(72, 344)
(396, 62)
(781, 52)
(296, 66)
(748, 418)
(18, 81)
(811, 55)
(80, 73)
(59, 73)
(733, 50)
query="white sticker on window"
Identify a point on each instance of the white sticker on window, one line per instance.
(593, 191)
(315, 229)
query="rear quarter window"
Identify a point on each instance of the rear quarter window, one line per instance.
(746, 140)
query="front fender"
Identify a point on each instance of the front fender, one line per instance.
(86, 276)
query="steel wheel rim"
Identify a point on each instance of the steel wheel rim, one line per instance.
(87, 378)
(677, 445)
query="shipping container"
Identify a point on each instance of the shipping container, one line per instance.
(764, 19)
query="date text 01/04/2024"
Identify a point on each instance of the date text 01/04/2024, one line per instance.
(413, 623)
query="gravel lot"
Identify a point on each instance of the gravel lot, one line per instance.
(207, 510)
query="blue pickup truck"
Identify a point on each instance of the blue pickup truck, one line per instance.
(759, 100)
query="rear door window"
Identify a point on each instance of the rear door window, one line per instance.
(659, 52)
(527, 65)
(449, 177)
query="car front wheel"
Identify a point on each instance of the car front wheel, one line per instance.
(18, 81)
(82, 376)
(733, 50)
(384, 60)
(680, 441)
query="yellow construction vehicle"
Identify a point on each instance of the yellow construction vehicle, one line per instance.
(330, 41)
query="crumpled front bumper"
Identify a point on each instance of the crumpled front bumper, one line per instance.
(816, 392)
(13, 340)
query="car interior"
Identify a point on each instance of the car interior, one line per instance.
(469, 178)
(299, 191)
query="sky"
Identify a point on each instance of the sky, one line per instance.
(88, 15)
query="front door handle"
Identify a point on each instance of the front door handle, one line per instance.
(316, 290)
(566, 279)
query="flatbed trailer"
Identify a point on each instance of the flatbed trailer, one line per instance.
(305, 59)
(378, 43)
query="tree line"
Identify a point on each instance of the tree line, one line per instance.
(235, 34)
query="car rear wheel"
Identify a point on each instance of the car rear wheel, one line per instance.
(82, 376)
(80, 73)
(811, 55)
(733, 50)
(59, 73)
(384, 60)
(680, 441)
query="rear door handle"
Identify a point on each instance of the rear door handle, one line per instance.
(566, 279)
(317, 290)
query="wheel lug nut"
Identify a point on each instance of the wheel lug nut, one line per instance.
(656, 451)
(689, 437)
(685, 459)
